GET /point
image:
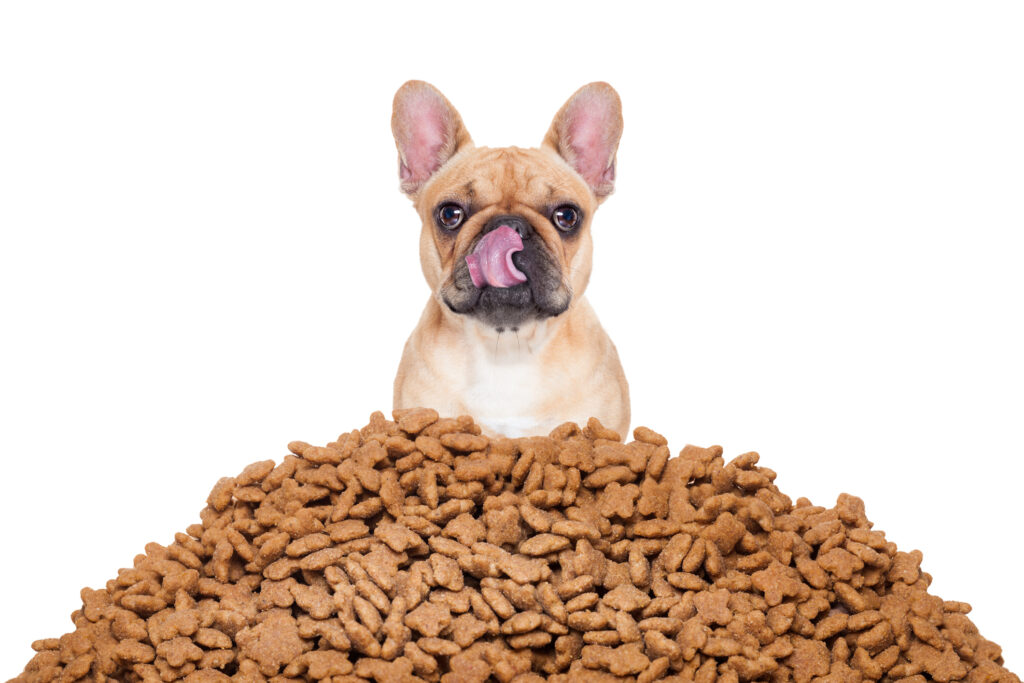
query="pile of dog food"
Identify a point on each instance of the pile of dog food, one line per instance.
(419, 550)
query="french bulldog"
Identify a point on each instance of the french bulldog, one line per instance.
(507, 335)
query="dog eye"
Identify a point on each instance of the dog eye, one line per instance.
(566, 217)
(450, 216)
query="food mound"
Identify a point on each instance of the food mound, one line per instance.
(419, 550)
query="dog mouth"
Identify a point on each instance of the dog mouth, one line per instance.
(543, 294)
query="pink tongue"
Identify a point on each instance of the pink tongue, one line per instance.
(491, 260)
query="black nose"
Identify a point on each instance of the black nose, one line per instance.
(517, 223)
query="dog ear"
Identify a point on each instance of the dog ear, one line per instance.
(428, 132)
(586, 131)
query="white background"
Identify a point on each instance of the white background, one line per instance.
(814, 251)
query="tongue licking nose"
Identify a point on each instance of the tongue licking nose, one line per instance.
(491, 260)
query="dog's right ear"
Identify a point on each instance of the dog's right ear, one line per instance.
(428, 132)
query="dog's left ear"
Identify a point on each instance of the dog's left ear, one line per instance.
(428, 132)
(586, 132)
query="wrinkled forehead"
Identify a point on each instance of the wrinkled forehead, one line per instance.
(506, 177)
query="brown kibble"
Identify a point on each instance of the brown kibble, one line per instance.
(675, 551)
(422, 550)
(466, 629)
(220, 496)
(143, 604)
(777, 582)
(879, 637)
(812, 572)
(362, 638)
(256, 472)
(432, 448)
(595, 430)
(532, 640)
(320, 665)
(810, 658)
(322, 455)
(465, 443)
(503, 526)
(841, 563)
(726, 532)
(572, 529)
(423, 664)
(348, 530)
(626, 597)
(649, 436)
(272, 643)
(522, 622)
(178, 651)
(851, 509)
(618, 474)
(573, 587)
(429, 619)
(585, 620)
(78, 667)
(446, 572)
(416, 420)
(617, 500)
(722, 647)
(542, 544)
(134, 652)
(321, 559)
(695, 557)
(465, 529)
(307, 544)
(713, 606)
(608, 637)
(582, 601)
(212, 638)
(654, 528)
(692, 637)
(851, 598)
(906, 567)
(831, 625)
(438, 646)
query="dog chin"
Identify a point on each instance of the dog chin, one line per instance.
(506, 308)
(512, 307)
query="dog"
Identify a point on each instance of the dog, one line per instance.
(507, 335)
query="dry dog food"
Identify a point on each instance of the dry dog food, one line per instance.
(419, 550)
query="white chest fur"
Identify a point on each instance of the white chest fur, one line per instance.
(517, 383)
(505, 385)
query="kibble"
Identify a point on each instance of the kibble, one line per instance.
(419, 549)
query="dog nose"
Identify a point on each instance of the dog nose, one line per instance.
(517, 223)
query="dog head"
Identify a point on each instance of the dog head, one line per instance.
(506, 231)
